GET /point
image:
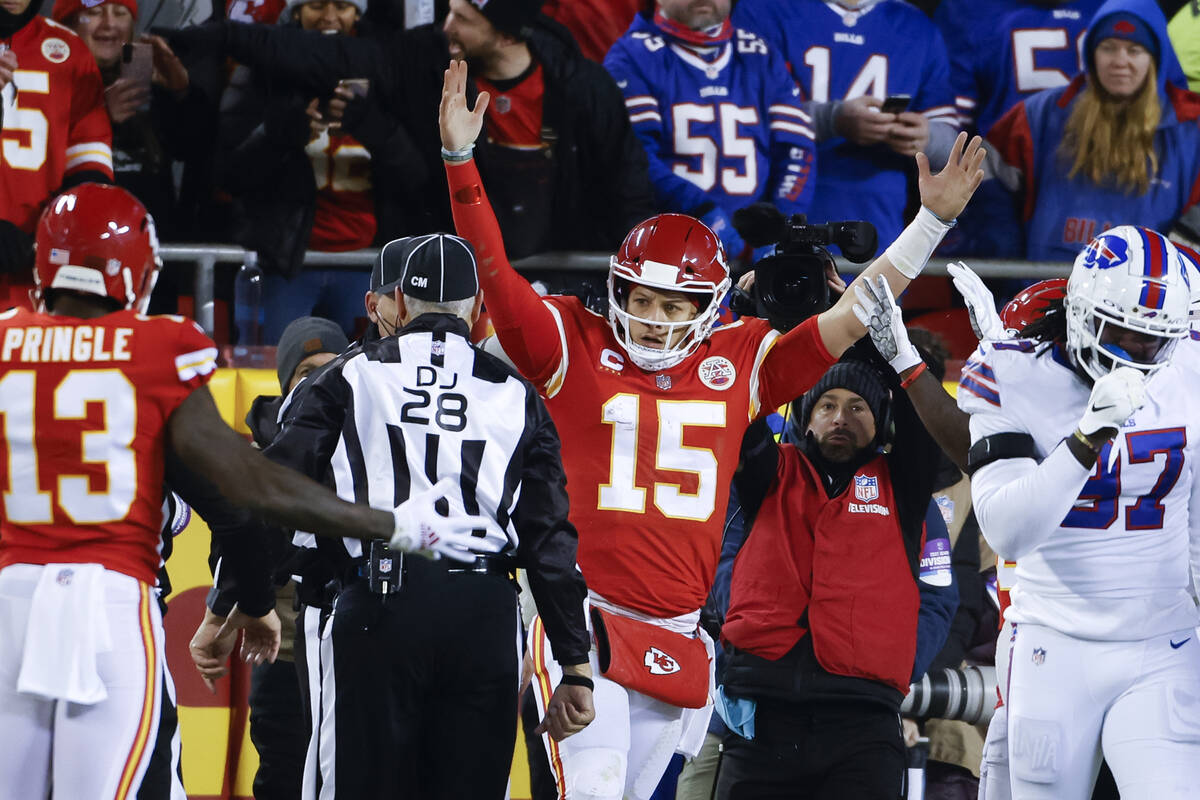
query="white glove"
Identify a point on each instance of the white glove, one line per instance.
(980, 304)
(423, 531)
(1115, 398)
(876, 309)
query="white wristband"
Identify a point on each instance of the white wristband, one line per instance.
(916, 243)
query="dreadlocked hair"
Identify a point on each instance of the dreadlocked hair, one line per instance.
(1050, 328)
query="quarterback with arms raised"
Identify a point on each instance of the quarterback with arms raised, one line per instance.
(91, 393)
(1083, 452)
(651, 405)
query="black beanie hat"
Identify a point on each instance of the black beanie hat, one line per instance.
(509, 16)
(856, 376)
(302, 338)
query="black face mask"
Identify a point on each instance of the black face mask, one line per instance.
(11, 23)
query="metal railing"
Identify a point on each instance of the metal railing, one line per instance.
(207, 256)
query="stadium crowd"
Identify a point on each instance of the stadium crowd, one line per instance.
(797, 521)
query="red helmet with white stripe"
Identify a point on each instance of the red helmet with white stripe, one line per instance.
(674, 253)
(100, 240)
(1130, 278)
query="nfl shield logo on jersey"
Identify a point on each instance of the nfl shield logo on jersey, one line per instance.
(1039, 656)
(866, 488)
(662, 381)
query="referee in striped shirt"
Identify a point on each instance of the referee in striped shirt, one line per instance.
(421, 658)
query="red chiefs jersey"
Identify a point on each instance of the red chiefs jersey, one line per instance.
(344, 218)
(650, 456)
(58, 125)
(85, 405)
(264, 11)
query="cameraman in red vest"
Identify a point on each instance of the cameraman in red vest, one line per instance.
(826, 595)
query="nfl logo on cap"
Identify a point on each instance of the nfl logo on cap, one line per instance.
(866, 487)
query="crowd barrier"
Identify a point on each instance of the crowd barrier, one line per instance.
(205, 257)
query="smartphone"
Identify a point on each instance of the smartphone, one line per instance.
(895, 103)
(137, 66)
(358, 86)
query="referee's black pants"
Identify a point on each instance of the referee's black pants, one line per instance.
(822, 753)
(422, 687)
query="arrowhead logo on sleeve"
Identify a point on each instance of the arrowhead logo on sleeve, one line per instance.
(659, 663)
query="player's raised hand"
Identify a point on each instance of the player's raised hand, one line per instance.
(946, 193)
(459, 125)
(981, 306)
(876, 309)
(1115, 397)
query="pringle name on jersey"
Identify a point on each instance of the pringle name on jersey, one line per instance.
(68, 343)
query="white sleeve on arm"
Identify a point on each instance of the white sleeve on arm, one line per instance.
(1020, 502)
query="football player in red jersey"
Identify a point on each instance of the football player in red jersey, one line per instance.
(55, 130)
(651, 405)
(91, 391)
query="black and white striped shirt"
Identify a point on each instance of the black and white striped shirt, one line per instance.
(390, 417)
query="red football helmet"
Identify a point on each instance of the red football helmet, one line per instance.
(100, 240)
(1029, 305)
(669, 252)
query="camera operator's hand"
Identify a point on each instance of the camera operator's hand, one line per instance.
(876, 309)
(981, 306)
(861, 121)
(946, 193)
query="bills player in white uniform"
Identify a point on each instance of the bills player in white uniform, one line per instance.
(1082, 448)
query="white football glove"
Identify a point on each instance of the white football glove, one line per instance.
(876, 309)
(423, 531)
(1115, 398)
(980, 304)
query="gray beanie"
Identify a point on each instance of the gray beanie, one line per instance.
(302, 338)
(290, 11)
(856, 376)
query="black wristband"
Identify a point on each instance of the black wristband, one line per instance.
(577, 680)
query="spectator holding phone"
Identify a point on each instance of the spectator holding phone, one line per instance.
(53, 129)
(147, 94)
(850, 57)
(325, 172)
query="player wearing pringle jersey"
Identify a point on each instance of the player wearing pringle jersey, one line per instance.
(1091, 495)
(91, 391)
(651, 405)
(55, 130)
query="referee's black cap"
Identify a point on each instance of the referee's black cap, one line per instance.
(436, 267)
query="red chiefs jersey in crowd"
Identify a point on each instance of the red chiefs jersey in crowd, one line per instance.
(263, 11)
(85, 405)
(55, 124)
(344, 217)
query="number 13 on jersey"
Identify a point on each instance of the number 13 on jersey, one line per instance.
(621, 493)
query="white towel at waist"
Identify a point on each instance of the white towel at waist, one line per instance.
(68, 628)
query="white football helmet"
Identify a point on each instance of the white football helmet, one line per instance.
(1132, 278)
(1191, 260)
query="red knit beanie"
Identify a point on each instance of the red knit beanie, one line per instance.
(65, 9)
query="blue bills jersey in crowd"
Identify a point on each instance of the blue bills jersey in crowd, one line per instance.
(721, 124)
(884, 47)
(1010, 50)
